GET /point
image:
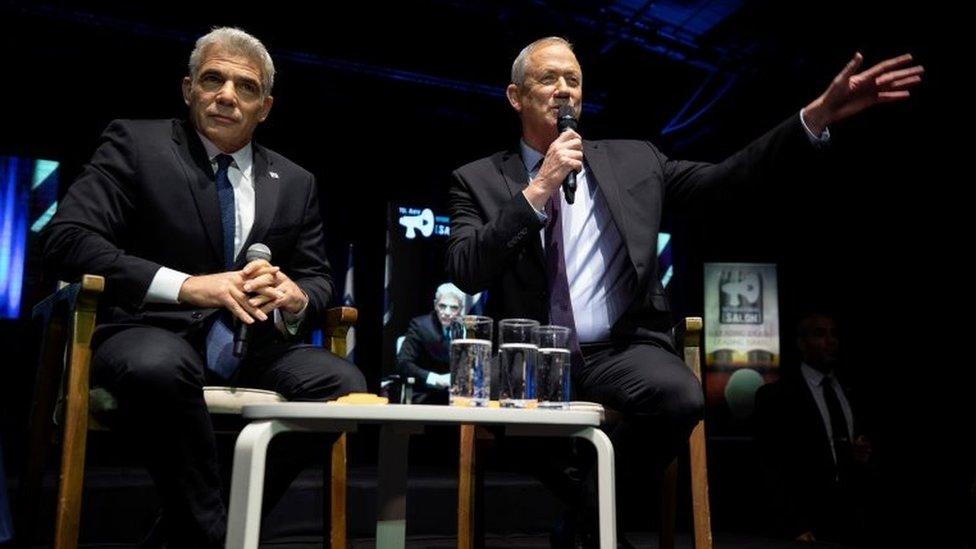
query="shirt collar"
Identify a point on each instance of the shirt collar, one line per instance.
(814, 376)
(530, 157)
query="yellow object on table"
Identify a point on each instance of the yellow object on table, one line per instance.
(358, 399)
(461, 401)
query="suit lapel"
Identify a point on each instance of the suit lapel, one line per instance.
(199, 176)
(599, 166)
(513, 168)
(265, 197)
(516, 178)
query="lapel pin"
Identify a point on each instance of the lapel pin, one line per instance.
(274, 175)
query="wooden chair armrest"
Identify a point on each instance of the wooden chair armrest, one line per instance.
(66, 298)
(340, 317)
(338, 320)
(691, 330)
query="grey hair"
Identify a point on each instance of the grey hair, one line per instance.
(237, 42)
(448, 289)
(518, 67)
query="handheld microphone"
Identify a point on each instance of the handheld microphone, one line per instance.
(254, 251)
(566, 121)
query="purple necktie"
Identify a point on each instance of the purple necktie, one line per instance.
(560, 304)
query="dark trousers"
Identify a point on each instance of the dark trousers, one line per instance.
(658, 401)
(657, 396)
(157, 376)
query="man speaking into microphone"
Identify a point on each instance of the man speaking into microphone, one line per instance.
(168, 212)
(589, 261)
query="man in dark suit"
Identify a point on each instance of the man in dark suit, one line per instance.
(166, 210)
(593, 267)
(814, 452)
(425, 353)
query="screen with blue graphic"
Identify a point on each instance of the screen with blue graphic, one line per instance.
(422, 223)
(416, 247)
(28, 199)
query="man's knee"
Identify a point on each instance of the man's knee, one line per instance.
(144, 363)
(351, 379)
(684, 403)
(321, 375)
(159, 371)
(672, 394)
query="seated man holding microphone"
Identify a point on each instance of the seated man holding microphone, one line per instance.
(563, 230)
(196, 228)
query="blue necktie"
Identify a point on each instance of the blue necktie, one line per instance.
(225, 194)
(220, 338)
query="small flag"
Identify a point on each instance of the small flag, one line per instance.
(349, 300)
(387, 277)
(475, 304)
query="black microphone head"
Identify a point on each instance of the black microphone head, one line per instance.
(258, 251)
(566, 119)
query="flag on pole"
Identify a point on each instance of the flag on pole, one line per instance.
(475, 304)
(387, 277)
(349, 300)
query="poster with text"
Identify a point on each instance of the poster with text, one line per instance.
(742, 345)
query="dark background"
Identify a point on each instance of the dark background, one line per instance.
(383, 101)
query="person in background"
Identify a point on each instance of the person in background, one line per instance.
(815, 455)
(425, 352)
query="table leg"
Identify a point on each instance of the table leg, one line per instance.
(606, 487)
(247, 483)
(391, 512)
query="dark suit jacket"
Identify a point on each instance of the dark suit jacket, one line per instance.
(796, 458)
(495, 243)
(148, 199)
(424, 349)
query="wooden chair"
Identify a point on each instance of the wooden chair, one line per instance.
(66, 321)
(691, 345)
(700, 510)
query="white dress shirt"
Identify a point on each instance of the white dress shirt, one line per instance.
(601, 278)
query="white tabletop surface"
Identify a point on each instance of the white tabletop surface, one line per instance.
(583, 415)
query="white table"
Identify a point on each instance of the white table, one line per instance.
(397, 423)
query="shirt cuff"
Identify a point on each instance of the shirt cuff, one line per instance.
(541, 215)
(165, 286)
(288, 323)
(815, 140)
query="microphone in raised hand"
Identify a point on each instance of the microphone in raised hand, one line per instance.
(566, 121)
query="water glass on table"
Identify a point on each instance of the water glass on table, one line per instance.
(516, 362)
(552, 366)
(470, 360)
